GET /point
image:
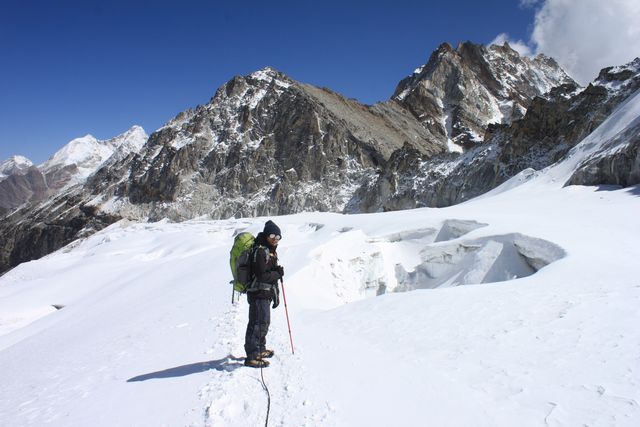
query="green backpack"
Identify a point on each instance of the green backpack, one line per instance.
(240, 261)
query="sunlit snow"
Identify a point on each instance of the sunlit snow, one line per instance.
(518, 308)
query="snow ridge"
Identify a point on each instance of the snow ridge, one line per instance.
(88, 153)
(14, 164)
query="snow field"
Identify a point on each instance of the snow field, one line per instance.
(148, 327)
(148, 335)
(126, 314)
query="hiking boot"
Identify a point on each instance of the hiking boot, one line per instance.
(256, 363)
(265, 354)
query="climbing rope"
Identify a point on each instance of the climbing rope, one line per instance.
(264, 385)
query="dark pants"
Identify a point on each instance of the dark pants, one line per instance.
(259, 318)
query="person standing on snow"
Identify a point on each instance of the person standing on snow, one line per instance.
(262, 291)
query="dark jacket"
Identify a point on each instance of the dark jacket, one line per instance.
(264, 267)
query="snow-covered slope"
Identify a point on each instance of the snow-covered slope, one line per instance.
(14, 164)
(520, 309)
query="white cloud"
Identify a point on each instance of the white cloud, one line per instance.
(587, 35)
(517, 45)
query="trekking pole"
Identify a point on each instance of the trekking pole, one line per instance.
(284, 297)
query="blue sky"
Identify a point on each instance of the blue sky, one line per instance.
(70, 68)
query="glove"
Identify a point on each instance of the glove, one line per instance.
(276, 296)
(280, 270)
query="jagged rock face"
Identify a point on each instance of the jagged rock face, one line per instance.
(265, 145)
(32, 185)
(459, 92)
(616, 163)
(550, 128)
(22, 185)
(412, 181)
(567, 115)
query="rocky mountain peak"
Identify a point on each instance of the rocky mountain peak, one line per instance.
(268, 74)
(240, 87)
(124, 144)
(18, 160)
(443, 49)
(87, 153)
(458, 93)
(469, 50)
(134, 138)
(135, 132)
(265, 144)
(552, 126)
(14, 164)
(77, 151)
(69, 166)
(239, 92)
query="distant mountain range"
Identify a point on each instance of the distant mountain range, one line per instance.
(22, 182)
(461, 124)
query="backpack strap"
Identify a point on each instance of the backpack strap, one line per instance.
(254, 285)
(255, 252)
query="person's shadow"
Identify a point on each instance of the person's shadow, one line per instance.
(228, 364)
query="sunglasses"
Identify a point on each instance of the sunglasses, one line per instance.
(275, 237)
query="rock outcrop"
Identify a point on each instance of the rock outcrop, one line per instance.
(618, 161)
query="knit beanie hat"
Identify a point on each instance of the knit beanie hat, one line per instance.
(270, 227)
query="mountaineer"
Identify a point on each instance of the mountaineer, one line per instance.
(261, 292)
